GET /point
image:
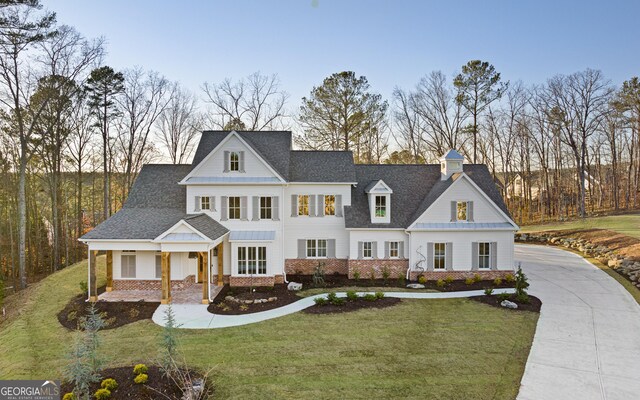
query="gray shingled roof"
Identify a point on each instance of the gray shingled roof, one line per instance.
(156, 202)
(206, 225)
(272, 146)
(415, 188)
(321, 166)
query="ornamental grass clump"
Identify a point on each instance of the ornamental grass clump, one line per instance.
(469, 281)
(141, 379)
(488, 291)
(422, 279)
(110, 384)
(102, 394)
(497, 282)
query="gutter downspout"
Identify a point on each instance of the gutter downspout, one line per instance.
(281, 211)
(408, 254)
(209, 259)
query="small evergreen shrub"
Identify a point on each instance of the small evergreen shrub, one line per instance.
(369, 297)
(72, 316)
(356, 275)
(102, 394)
(372, 276)
(338, 301)
(488, 291)
(352, 295)
(69, 396)
(504, 296)
(402, 280)
(521, 282)
(379, 295)
(243, 307)
(469, 281)
(522, 298)
(318, 274)
(477, 278)
(140, 369)
(331, 297)
(320, 301)
(134, 313)
(449, 279)
(386, 273)
(509, 278)
(497, 282)
(110, 384)
(440, 283)
(140, 379)
(84, 288)
(422, 279)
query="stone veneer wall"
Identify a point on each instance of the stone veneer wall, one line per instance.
(306, 266)
(152, 284)
(395, 267)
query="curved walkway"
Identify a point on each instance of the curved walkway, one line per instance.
(196, 316)
(587, 342)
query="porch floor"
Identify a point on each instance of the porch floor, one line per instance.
(190, 295)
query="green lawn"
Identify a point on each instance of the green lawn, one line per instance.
(427, 349)
(628, 224)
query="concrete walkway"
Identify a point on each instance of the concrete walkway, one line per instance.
(196, 316)
(587, 343)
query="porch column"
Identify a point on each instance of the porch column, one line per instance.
(220, 266)
(109, 270)
(166, 278)
(204, 259)
(93, 285)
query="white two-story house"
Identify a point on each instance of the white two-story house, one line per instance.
(249, 210)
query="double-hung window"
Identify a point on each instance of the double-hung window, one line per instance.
(394, 251)
(439, 256)
(329, 204)
(234, 207)
(381, 206)
(128, 264)
(461, 211)
(303, 204)
(158, 265)
(367, 249)
(316, 248)
(252, 260)
(484, 255)
(265, 208)
(205, 203)
(234, 161)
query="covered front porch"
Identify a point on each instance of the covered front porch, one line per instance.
(190, 295)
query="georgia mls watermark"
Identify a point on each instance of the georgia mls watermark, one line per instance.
(29, 390)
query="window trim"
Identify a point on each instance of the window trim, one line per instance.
(315, 248)
(204, 199)
(259, 258)
(301, 205)
(486, 256)
(265, 208)
(233, 162)
(382, 206)
(440, 256)
(229, 208)
(391, 249)
(158, 255)
(364, 250)
(129, 253)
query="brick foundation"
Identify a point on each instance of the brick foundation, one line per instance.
(245, 281)
(365, 268)
(152, 284)
(225, 279)
(459, 275)
(306, 266)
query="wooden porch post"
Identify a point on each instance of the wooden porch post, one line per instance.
(204, 257)
(109, 270)
(166, 278)
(93, 286)
(220, 266)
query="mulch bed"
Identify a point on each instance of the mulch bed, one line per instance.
(128, 389)
(534, 303)
(335, 281)
(116, 314)
(224, 307)
(349, 306)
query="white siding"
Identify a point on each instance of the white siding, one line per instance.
(379, 236)
(462, 246)
(146, 265)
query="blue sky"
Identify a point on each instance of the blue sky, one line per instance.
(393, 43)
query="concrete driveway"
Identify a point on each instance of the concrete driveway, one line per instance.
(587, 343)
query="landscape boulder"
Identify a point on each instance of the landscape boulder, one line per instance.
(294, 286)
(508, 304)
(415, 286)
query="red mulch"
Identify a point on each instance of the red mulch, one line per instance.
(349, 306)
(128, 389)
(116, 314)
(534, 303)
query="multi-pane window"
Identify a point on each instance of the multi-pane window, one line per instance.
(329, 204)
(205, 203)
(484, 255)
(394, 249)
(234, 161)
(252, 260)
(367, 250)
(265, 207)
(381, 206)
(461, 213)
(317, 248)
(303, 204)
(234, 207)
(439, 255)
(158, 266)
(128, 264)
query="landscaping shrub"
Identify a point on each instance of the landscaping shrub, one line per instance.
(379, 295)
(140, 379)
(370, 297)
(488, 291)
(440, 283)
(331, 297)
(469, 281)
(422, 279)
(244, 307)
(84, 288)
(69, 396)
(402, 280)
(318, 274)
(72, 316)
(372, 276)
(320, 301)
(503, 296)
(477, 278)
(110, 384)
(497, 282)
(386, 273)
(449, 279)
(140, 369)
(509, 278)
(352, 295)
(102, 394)
(356, 275)
(522, 298)
(521, 282)
(338, 301)
(134, 313)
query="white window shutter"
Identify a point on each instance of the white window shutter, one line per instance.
(475, 263)
(338, 205)
(302, 248)
(243, 208)
(494, 256)
(401, 249)
(448, 256)
(226, 162)
(320, 210)
(312, 205)
(196, 207)
(360, 250)
(430, 264)
(294, 205)
(212, 203)
(256, 208)
(374, 249)
(386, 250)
(241, 161)
(224, 207)
(275, 208)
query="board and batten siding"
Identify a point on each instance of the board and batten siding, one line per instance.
(146, 265)
(462, 243)
(380, 237)
(483, 209)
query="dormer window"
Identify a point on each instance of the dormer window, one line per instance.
(234, 161)
(381, 206)
(461, 213)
